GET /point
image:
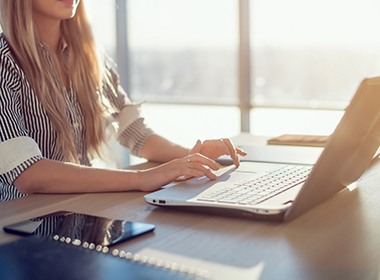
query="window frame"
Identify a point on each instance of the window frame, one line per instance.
(244, 89)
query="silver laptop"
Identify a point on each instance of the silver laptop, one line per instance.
(283, 191)
(277, 154)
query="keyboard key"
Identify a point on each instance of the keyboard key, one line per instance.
(261, 188)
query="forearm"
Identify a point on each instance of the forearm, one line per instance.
(159, 149)
(47, 176)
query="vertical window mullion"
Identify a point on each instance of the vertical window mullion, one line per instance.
(122, 54)
(244, 66)
(122, 48)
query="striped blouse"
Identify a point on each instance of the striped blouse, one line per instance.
(27, 134)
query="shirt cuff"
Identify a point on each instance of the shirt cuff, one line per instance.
(128, 115)
(135, 136)
(16, 151)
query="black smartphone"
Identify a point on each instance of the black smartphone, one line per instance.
(82, 227)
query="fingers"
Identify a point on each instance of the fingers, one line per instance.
(199, 165)
(195, 165)
(202, 160)
(241, 152)
(197, 148)
(233, 152)
(215, 148)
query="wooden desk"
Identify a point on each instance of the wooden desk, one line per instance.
(339, 239)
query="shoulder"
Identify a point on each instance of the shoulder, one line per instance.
(5, 49)
(3, 44)
(110, 69)
(9, 69)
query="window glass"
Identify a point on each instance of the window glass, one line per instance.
(183, 51)
(312, 53)
(102, 18)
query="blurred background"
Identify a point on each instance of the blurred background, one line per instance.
(215, 68)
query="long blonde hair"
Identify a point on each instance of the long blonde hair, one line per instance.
(85, 73)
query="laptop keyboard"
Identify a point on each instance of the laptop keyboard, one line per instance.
(261, 188)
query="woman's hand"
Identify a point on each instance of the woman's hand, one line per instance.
(213, 149)
(194, 165)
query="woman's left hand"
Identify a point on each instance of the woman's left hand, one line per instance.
(215, 148)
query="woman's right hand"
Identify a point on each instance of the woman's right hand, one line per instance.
(194, 165)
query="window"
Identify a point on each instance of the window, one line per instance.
(183, 51)
(312, 53)
(304, 54)
(102, 17)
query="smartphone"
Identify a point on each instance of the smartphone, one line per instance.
(83, 227)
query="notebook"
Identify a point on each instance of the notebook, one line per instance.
(45, 258)
(347, 154)
(299, 140)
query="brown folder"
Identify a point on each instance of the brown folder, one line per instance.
(299, 140)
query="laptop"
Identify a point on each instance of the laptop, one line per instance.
(276, 154)
(347, 154)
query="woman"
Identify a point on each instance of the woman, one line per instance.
(56, 99)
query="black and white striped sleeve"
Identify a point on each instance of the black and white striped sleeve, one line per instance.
(18, 151)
